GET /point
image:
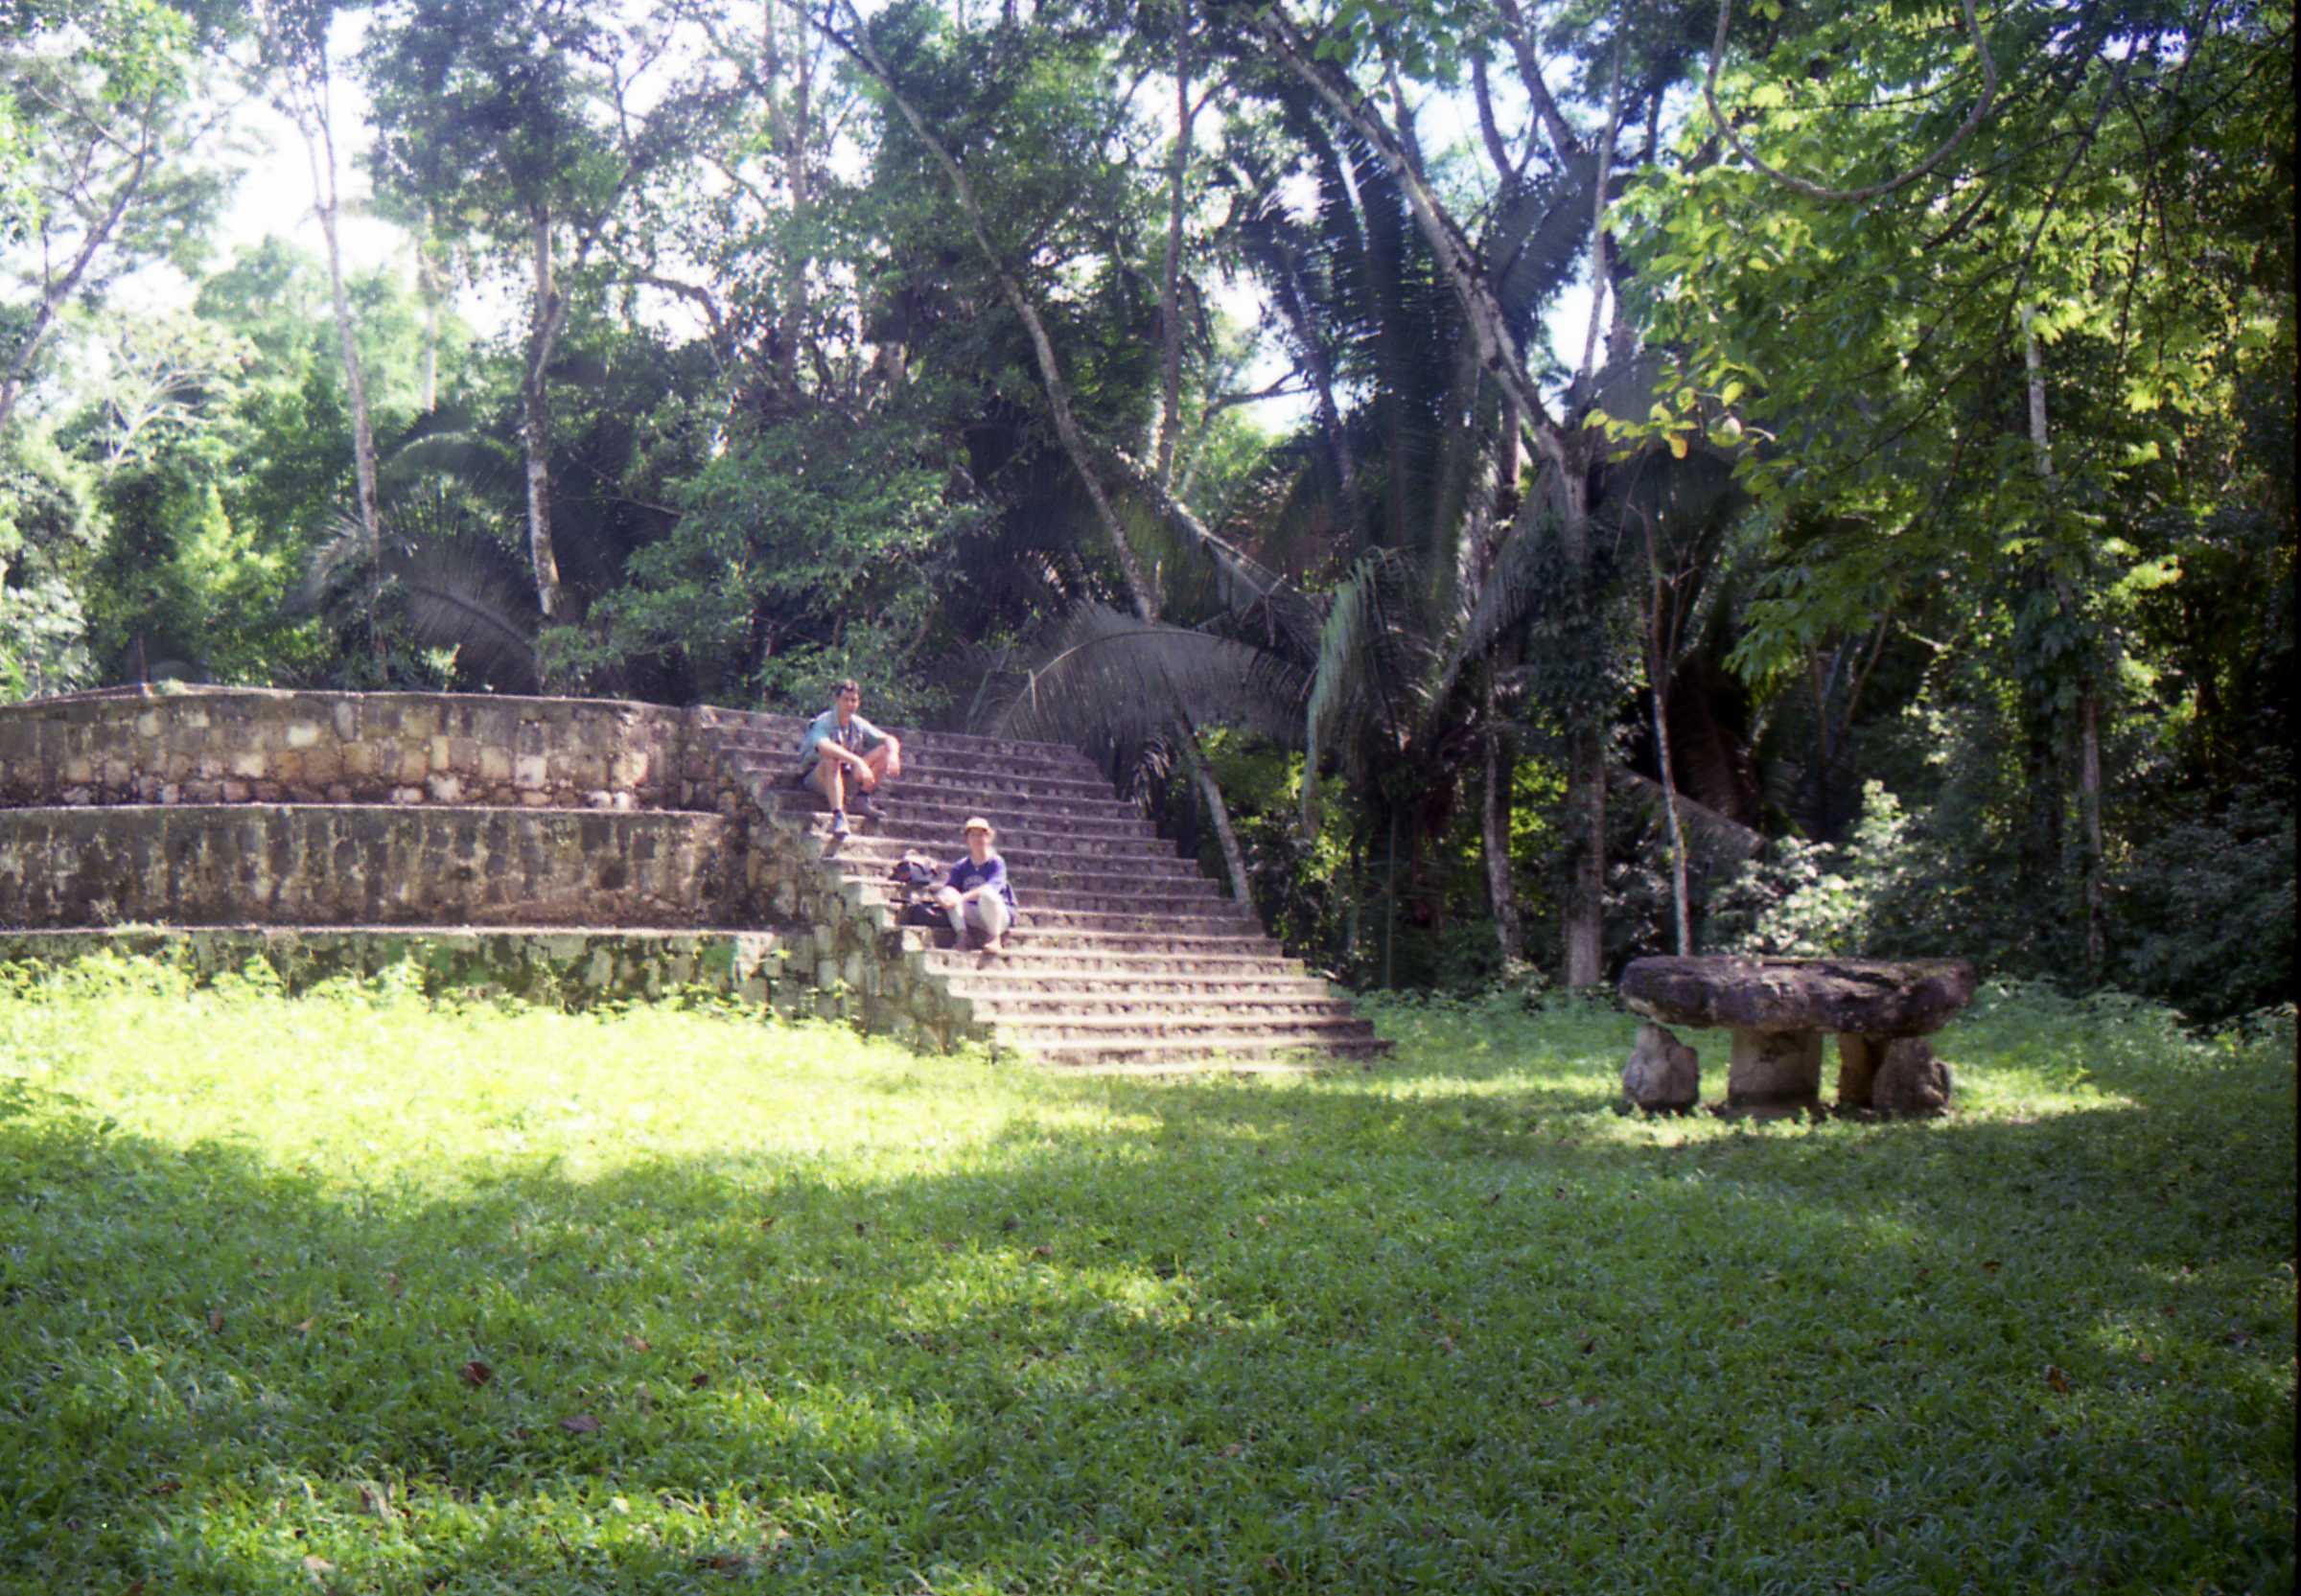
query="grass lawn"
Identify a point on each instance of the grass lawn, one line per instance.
(351, 1292)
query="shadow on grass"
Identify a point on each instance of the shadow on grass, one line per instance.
(1303, 1339)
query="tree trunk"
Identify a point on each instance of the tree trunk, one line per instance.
(1584, 911)
(1681, 911)
(2090, 791)
(1502, 894)
(535, 430)
(2089, 702)
(59, 289)
(1218, 813)
(319, 152)
(428, 288)
(1170, 282)
(790, 131)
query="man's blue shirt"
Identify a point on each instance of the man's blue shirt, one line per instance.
(857, 736)
(967, 875)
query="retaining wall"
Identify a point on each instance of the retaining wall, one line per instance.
(367, 864)
(243, 745)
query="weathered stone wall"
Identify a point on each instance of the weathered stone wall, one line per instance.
(573, 969)
(243, 745)
(267, 810)
(367, 864)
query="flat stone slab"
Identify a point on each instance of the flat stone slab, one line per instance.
(1859, 997)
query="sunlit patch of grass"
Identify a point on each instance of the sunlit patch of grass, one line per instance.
(357, 1292)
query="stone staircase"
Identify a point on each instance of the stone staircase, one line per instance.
(1127, 956)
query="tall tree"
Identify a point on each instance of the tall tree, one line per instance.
(2108, 245)
(294, 63)
(117, 160)
(531, 127)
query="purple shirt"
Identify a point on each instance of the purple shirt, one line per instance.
(967, 875)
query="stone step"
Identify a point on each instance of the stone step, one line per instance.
(1243, 1055)
(780, 757)
(1198, 1024)
(1070, 1008)
(739, 725)
(1083, 867)
(1050, 926)
(991, 982)
(1190, 944)
(943, 837)
(1052, 963)
(909, 806)
(1209, 1050)
(987, 789)
(1163, 908)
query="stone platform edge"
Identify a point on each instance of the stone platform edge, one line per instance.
(573, 968)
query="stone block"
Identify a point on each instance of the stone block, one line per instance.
(406, 794)
(494, 764)
(444, 789)
(1775, 1068)
(249, 764)
(442, 755)
(1663, 1075)
(235, 792)
(413, 766)
(303, 733)
(531, 770)
(1858, 1059)
(1911, 1080)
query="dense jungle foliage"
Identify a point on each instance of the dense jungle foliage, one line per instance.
(1521, 484)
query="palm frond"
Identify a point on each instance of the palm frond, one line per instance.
(488, 467)
(1369, 665)
(1109, 678)
(463, 587)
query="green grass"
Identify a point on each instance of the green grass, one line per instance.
(351, 1292)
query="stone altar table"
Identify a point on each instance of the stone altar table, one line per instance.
(1778, 1010)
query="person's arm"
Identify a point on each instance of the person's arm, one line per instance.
(993, 878)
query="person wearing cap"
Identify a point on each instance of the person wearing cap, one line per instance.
(845, 753)
(976, 894)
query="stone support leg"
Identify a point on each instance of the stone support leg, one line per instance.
(1858, 1059)
(1775, 1068)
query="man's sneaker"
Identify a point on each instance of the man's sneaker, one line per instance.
(837, 822)
(863, 807)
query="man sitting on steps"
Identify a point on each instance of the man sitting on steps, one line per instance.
(843, 751)
(976, 894)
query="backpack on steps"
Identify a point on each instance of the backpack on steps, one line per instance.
(913, 879)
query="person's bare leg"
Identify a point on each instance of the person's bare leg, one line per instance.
(828, 778)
